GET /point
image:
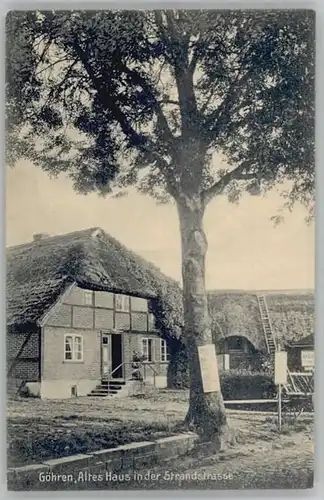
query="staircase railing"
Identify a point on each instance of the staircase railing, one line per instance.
(143, 365)
(109, 376)
(152, 367)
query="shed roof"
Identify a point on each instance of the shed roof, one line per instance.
(304, 342)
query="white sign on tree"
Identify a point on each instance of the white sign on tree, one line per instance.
(209, 368)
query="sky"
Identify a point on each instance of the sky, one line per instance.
(245, 250)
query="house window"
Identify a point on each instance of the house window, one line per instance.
(74, 391)
(148, 349)
(121, 302)
(73, 348)
(88, 298)
(163, 350)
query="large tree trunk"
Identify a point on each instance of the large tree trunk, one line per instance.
(206, 414)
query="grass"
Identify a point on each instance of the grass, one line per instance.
(40, 430)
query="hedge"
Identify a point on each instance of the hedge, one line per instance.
(238, 385)
(235, 384)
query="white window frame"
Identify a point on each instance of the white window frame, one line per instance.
(74, 358)
(124, 301)
(146, 340)
(163, 351)
(88, 298)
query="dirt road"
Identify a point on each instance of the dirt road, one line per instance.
(284, 463)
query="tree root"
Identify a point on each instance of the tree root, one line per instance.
(215, 438)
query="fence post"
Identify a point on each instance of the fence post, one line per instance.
(279, 406)
(281, 371)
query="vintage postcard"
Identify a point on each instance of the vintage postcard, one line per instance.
(160, 249)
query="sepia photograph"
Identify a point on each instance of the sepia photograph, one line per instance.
(160, 249)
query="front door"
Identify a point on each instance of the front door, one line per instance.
(112, 355)
(106, 358)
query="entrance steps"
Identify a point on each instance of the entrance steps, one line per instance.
(110, 388)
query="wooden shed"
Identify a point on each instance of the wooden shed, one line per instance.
(301, 354)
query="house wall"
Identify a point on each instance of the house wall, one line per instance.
(26, 366)
(89, 314)
(87, 309)
(155, 372)
(59, 375)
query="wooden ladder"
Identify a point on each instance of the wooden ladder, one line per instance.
(298, 384)
(266, 325)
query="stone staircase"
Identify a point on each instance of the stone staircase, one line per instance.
(108, 388)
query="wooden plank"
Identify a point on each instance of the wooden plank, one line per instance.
(251, 401)
(301, 374)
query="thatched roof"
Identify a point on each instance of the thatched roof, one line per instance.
(237, 313)
(38, 272)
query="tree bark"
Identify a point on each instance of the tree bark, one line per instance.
(206, 414)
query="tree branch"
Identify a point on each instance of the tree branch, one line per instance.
(217, 117)
(51, 65)
(162, 121)
(207, 102)
(169, 101)
(195, 57)
(160, 25)
(171, 24)
(107, 102)
(234, 175)
(142, 142)
(64, 79)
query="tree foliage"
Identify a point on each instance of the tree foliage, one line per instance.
(150, 98)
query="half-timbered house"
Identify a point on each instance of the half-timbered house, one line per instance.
(80, 306)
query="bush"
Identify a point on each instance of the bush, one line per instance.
(241, 384)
